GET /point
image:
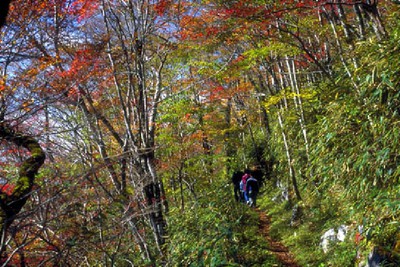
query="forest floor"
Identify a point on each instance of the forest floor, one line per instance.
(281, 252)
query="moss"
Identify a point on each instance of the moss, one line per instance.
(11, 205)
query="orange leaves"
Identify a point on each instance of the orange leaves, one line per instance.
(78, 10)
(2, 85)
(161, 6)
(192, 28)
(216, 93)
(242, 9)
(84, 8)
(53, 58)
(77, 66)
(85, 66)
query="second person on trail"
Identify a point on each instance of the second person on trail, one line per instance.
(252, 188)
(249, 188)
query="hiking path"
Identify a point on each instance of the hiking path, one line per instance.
(281, 252)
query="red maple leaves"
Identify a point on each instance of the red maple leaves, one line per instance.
(7, 189)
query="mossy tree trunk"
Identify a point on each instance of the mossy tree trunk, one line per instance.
(11, 204)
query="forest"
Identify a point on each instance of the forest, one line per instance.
(123, 121)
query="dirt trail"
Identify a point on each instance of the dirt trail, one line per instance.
(277, 248)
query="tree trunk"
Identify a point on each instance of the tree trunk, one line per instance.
(138, 88)
(297, 102)
(10, 205)
(341, 52)
(371, 10)
(292, 172)
(281, 106)
(4, 7)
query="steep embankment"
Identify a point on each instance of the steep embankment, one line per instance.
(281, 252)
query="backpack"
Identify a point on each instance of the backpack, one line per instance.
(252, 185)
(244, 181)
(237, 177)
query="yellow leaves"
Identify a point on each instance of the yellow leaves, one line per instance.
(275, 99)
(32, 72)
(27, 105)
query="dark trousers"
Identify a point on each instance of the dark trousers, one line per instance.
(238, 193)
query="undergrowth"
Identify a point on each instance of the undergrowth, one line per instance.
(303, 237)
(217, 231)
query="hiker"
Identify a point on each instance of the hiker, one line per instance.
(236, 178)
(251, 190)
(243, 183)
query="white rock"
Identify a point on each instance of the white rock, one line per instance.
(342, 232)
(326, 238)
(333, 236)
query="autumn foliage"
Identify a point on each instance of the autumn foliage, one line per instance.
(144, 109)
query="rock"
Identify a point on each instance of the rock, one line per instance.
(284, 193)
(333, 236)
(297, 213)
(326, 238)
(342, 232)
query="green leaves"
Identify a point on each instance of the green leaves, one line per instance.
(262, 51)
(216, 231)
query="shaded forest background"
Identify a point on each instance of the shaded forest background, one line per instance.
(144, 109)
